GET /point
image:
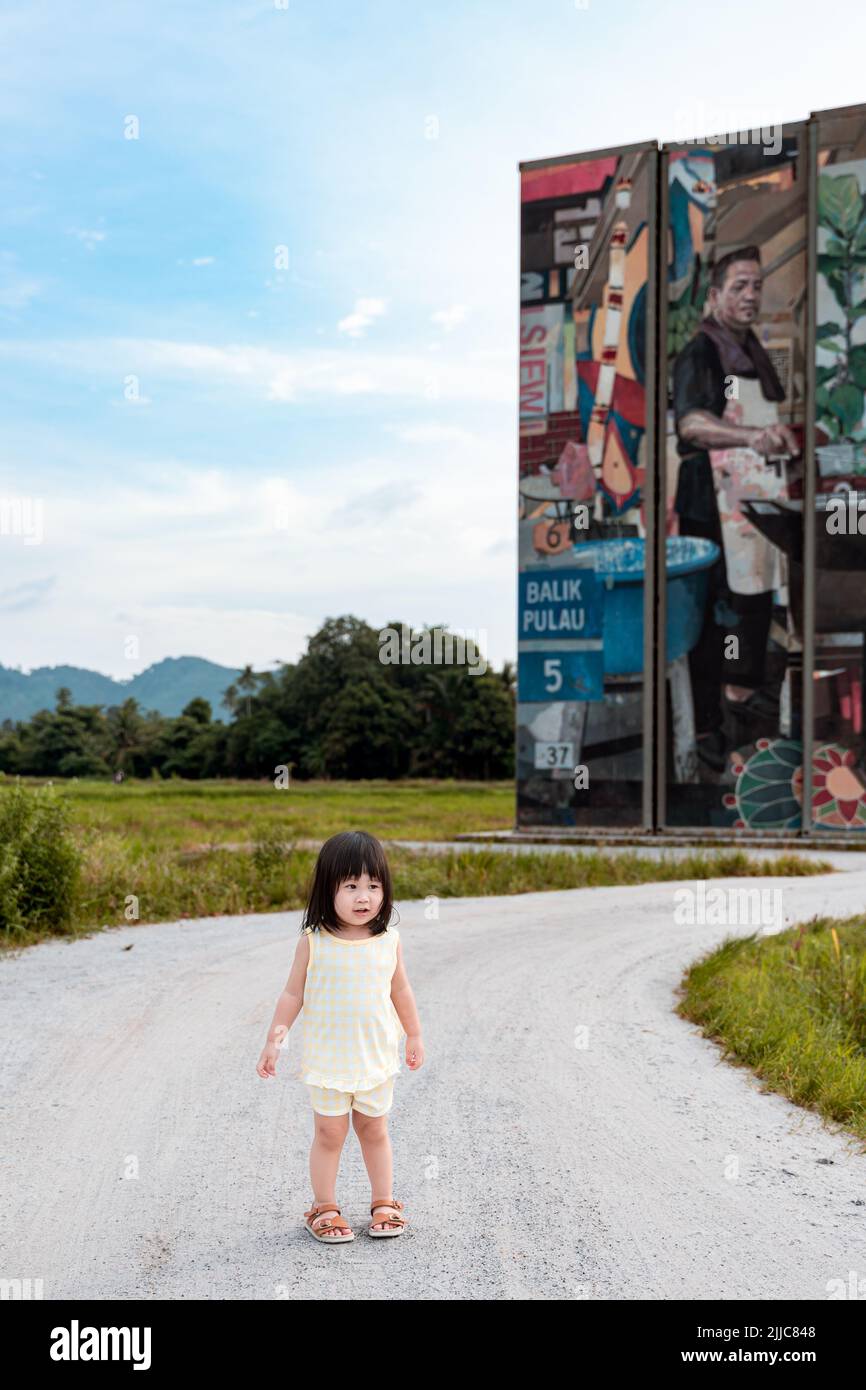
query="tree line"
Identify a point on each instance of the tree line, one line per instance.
(338, 712)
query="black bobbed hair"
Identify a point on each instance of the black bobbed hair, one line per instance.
(345, 856)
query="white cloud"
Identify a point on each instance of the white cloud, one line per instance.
(16, 288)
(238, 566)
(88, 237)
(204, 260)
(373, 505)
(482, 376)
(26, 596)
(355, 325)
(431, 434)
(449, 318)
(228, 633)
(17, 292)
(354, 384)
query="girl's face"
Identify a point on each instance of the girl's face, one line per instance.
(358, 900)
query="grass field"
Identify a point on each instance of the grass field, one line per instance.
(270, 880)
(183, 815)
(792, 1007)
(159, 851)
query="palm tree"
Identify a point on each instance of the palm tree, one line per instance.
(508, 676)
(247, 681)
(230, 698)
(125, 726)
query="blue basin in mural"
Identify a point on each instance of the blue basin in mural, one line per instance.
(619, 565)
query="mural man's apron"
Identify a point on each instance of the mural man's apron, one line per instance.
(753, 565)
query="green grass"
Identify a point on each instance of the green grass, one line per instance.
(168, 846)
(169, 884)
(181, 815)
(792, 1007)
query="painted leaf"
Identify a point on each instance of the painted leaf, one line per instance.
(840, 204)
(835, 279)
(857, 365)
(846, 403)
(835, 249)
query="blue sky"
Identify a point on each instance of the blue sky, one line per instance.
(259, 363)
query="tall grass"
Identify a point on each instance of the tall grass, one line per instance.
(122, 882)
(792, 1007)
(93, 854)
(40, 864)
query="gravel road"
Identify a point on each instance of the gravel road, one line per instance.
(145, 1159)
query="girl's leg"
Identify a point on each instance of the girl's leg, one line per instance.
(372, 1132)
(328, 1141)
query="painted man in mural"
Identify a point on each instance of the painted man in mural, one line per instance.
(726, 394)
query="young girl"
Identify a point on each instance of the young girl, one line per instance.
(348, 976)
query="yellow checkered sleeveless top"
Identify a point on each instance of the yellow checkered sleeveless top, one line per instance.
(351, 1030)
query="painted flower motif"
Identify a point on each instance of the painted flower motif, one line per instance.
(838, 791)
(769, 790)
(769, 787)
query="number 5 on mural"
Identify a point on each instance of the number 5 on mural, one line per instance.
(553, 674)
(577, 673)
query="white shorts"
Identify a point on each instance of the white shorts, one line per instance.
(375, 1102)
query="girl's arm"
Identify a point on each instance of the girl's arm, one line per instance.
(407, 1011)
(289, 1005)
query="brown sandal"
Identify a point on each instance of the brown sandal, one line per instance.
(325, 1228)
(397, 1221)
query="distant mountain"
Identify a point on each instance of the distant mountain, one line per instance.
(167, 686)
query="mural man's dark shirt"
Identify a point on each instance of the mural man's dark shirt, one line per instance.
(700, 373)
(699, 384)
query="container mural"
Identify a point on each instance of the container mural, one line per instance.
(583, 460)
(838, 801)
(692, 484)
(736, 331)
